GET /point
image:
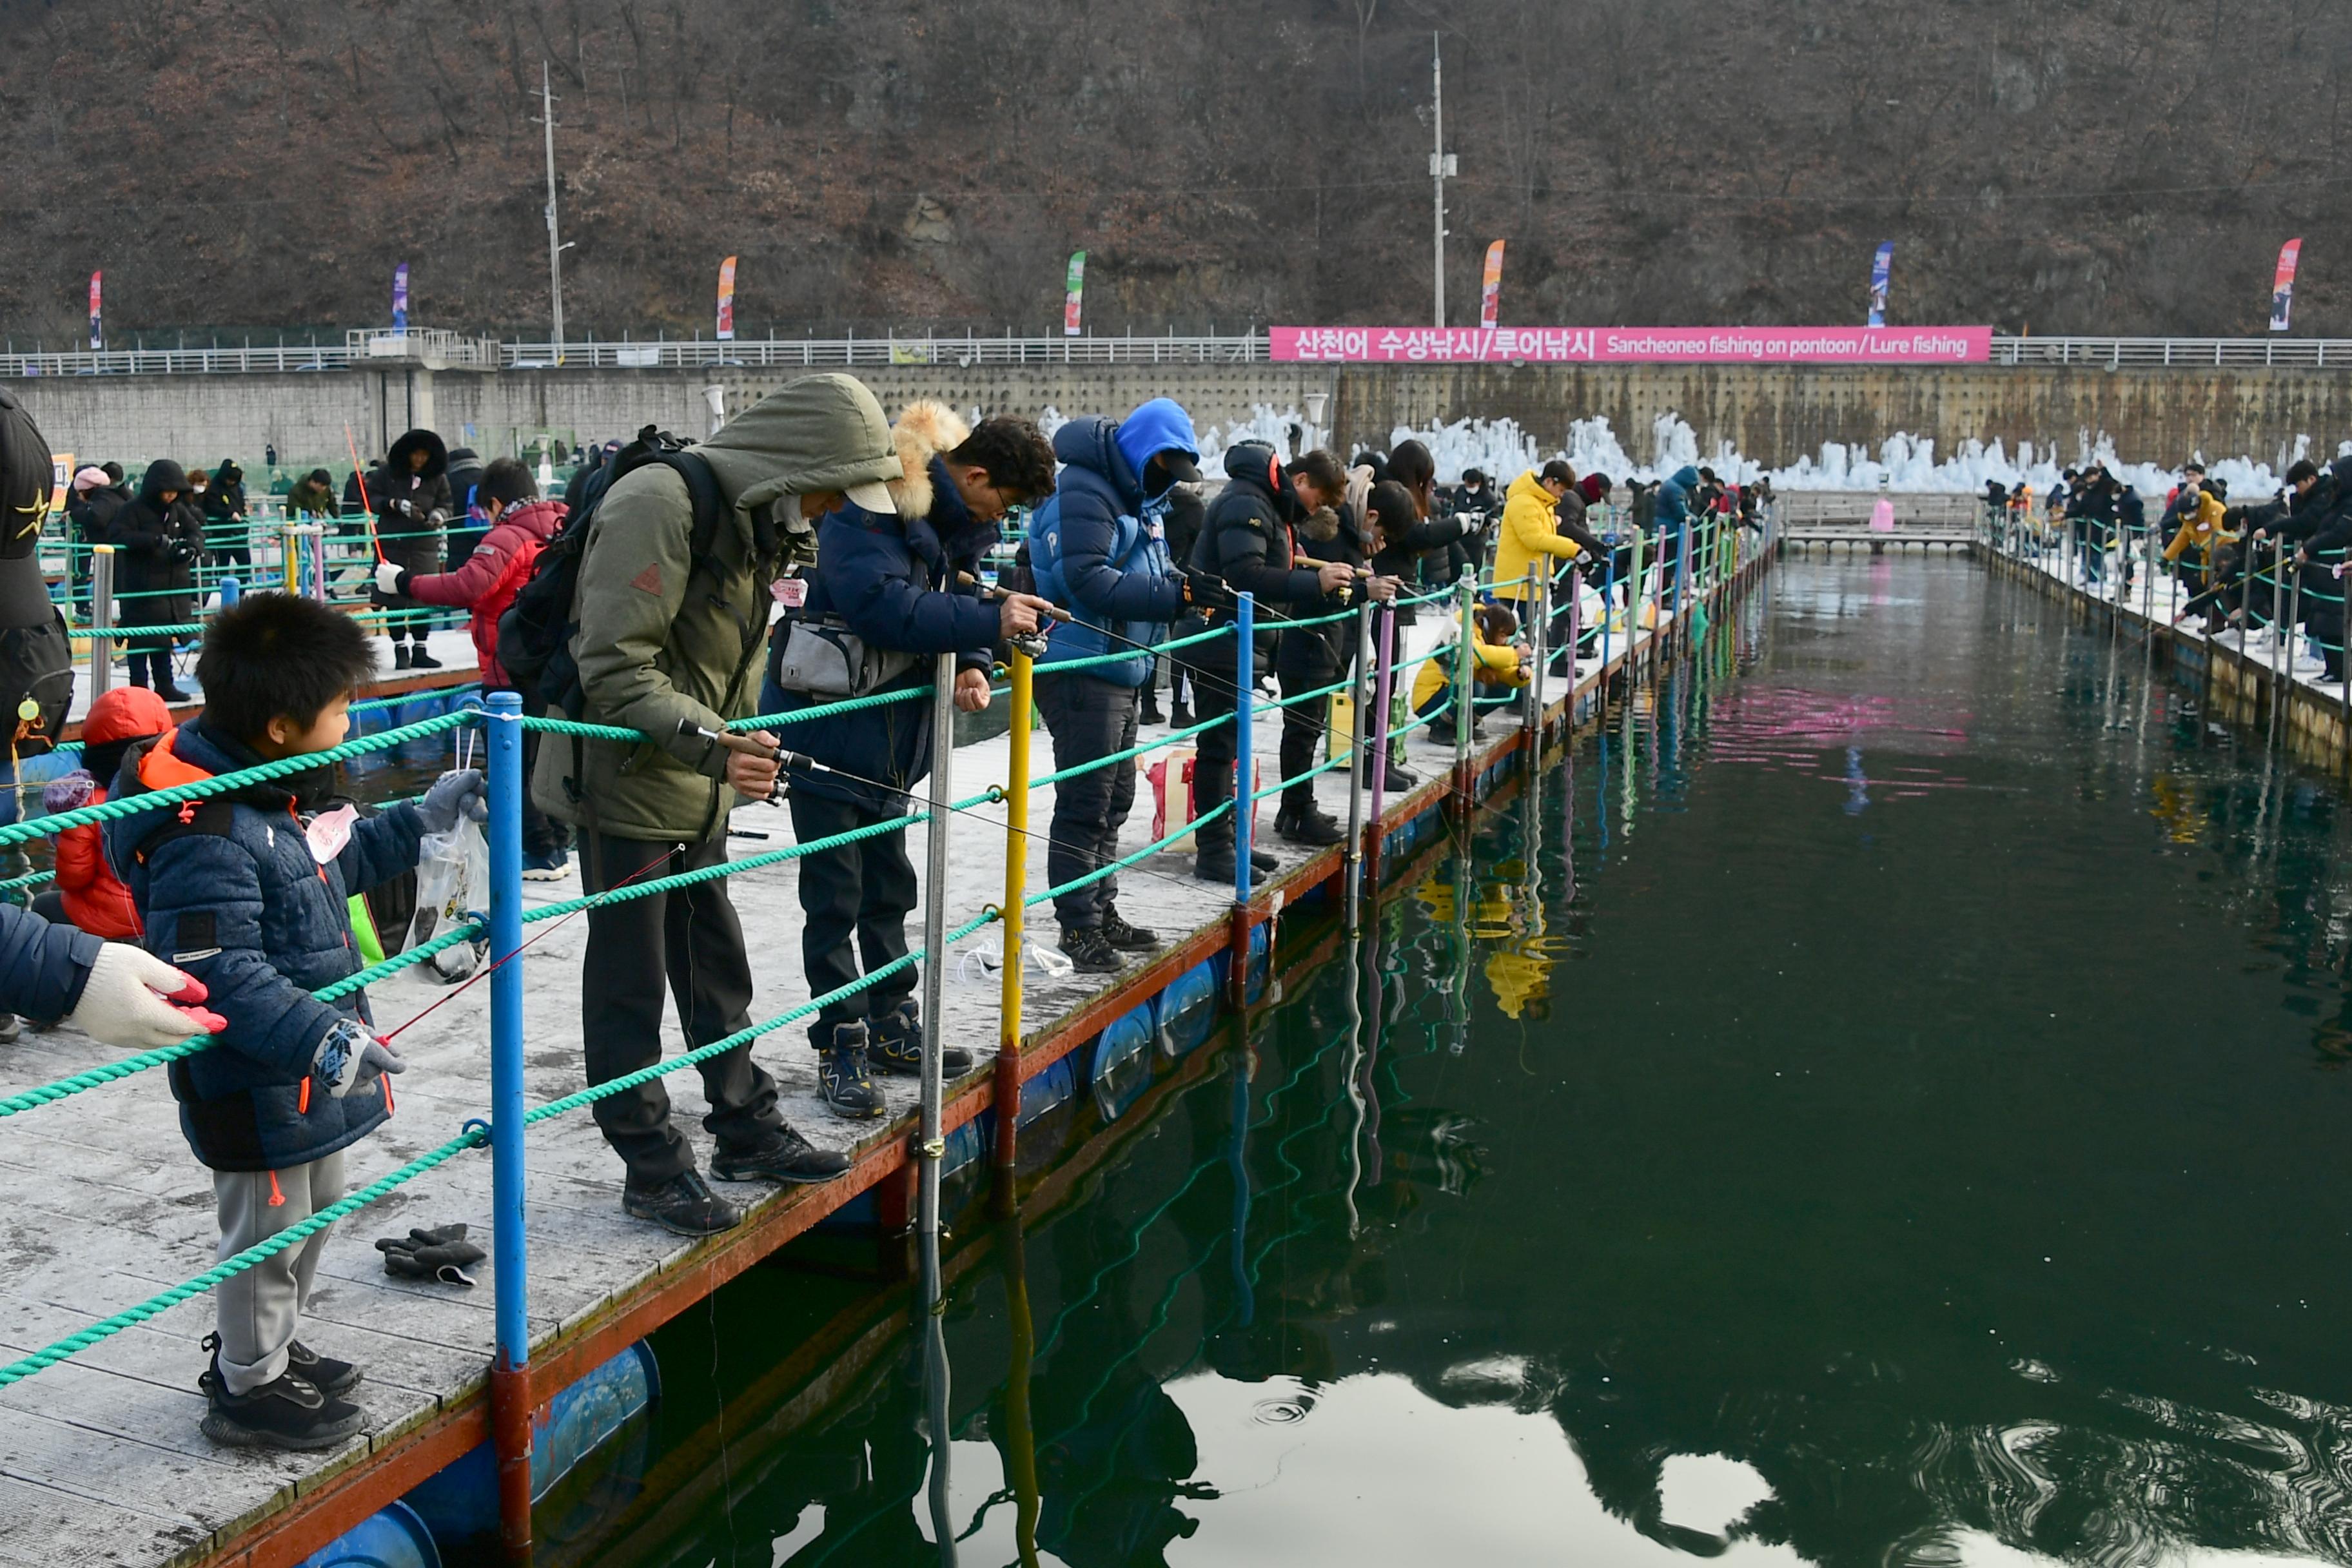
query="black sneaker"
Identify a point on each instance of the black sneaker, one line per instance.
(420, 659)
(841, 1078)
(1125, 937)
(1179, 717)
(1089, 951)
(399, 655)
(289, 1413)
(897, 1045)
(783, 1155)
(331, 1376)
(1151, 714)
(1313, 828)
(683, 1205)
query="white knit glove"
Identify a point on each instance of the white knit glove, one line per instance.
(348, 1055)
(120, 1007)
(387, 577)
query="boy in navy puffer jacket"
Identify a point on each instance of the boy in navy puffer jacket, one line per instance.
(249, 890)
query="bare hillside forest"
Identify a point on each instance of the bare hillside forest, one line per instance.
(2051, 165)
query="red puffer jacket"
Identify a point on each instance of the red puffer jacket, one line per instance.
(492, 575)
(95, 899)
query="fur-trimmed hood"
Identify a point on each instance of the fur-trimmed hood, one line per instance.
(925, 430)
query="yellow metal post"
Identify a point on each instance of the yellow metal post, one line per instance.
(1016, 884)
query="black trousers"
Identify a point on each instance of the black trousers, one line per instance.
(1090, 719)
(1212, 765)
(864, 890)
(1305, 662)
(691, 939)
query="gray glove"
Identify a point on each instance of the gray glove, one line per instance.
(348, 1057)
(456, 792)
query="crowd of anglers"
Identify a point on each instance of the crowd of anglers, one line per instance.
(810, 551)
(2275, 562)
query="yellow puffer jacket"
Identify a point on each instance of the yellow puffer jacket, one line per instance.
(1498, 665)
(1530, 530)
(2200, 530)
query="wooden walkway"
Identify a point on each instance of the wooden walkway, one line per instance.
(101, 1458)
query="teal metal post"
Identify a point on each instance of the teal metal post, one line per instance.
(1245, 680)
(510, 1396)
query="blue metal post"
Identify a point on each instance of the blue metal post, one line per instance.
(1244, 677)
(510, 1396)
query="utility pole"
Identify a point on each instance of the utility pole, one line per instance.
(1441, 163)
(555, 246)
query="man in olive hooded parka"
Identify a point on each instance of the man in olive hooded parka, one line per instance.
(668, 645)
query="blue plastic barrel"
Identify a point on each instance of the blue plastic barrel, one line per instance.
(1120, 1066)
(461, 1501)
(1188, 1009)
(393, 1537)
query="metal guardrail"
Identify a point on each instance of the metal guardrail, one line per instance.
(2189, 353)
(437, 348)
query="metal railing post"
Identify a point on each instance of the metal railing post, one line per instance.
(101, 617)
(511, 1393)
(1245, 680)
(1357, 763)
(1466, 688)
(1538, 601)
(1016, 884)
(930, 1141)
(1383, 651)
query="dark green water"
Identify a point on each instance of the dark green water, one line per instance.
(1884, 1103)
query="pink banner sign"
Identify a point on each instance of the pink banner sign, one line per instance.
(1633, 345)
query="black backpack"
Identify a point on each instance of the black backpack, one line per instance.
(536, 631)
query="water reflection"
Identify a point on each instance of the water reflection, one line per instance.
(1747, 1189)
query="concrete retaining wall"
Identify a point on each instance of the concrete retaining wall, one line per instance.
(1772, 413)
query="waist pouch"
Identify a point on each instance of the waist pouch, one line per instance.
(824, 658)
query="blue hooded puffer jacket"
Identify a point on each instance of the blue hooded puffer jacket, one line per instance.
(1674, 497)
(240, 902)
(1099, 546)
(893, 580)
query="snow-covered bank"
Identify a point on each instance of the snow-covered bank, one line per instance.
(1902, 462)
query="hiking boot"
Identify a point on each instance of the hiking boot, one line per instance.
(683, 1205)
(1398, 780)
(1440, 732)
(1179, 717)
(330, 1376)
(1263, 860)
(1089, 951)
(783, 1155)
(419, 659)
(1313, 828)
(897, 1045)
(1151, 713)
(841, 1078)
(552, 866)
(292, 1411)
(1214, 862)
(399, 655)
(1125, 937)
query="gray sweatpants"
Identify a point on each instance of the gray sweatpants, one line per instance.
(260, 1309)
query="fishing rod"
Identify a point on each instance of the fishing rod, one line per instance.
(747, 744)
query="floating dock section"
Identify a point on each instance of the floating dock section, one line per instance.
(108, 1246)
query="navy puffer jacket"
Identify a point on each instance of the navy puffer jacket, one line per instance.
(1099, 547)
(234, 896)
(893, 580)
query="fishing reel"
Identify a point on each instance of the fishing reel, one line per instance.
(1031, 646)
